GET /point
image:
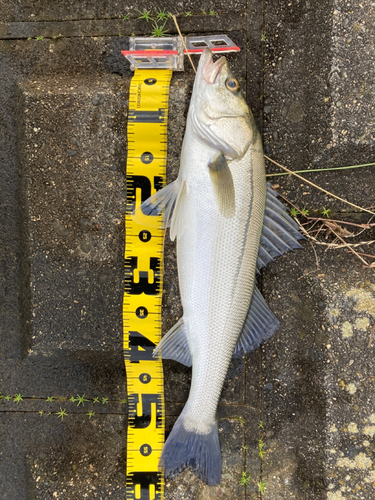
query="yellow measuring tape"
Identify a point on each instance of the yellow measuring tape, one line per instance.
(146, 168)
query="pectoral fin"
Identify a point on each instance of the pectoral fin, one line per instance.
(179, 215)
(222, 182)
(174, 345)
(164, 199)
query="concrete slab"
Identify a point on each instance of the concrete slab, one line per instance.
(315, 428)
(75, 458)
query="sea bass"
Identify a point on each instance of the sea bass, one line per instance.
(228, 224)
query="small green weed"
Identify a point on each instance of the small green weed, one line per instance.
(18, 398)
(41, 413)
(188, 14)
(125, 17)
(145, 14)
(124, 401)
(244, 447)
(161, 15)
(325, 212)
(240, 419)
(212, 13)
(73, 399)
(263, 38)
(95, 400)
(159, 31)
(90, 414)
(260, 424)
(8, 398)
(81, 400)
(61, 414)
(39, 37)
(294, 212)
(49, 399)
(245, 480)
(262, 487)
(104, 401)
(305, 212)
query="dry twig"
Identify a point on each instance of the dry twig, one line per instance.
(371, 335)
(318, 187)
(183, 41)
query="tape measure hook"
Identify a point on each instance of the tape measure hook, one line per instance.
(168, 53)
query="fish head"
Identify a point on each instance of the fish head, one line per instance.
(220, 115)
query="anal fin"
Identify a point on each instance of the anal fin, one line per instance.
(259, 326)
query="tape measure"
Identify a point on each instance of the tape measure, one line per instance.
(146, 169)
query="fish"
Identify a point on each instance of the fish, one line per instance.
(228, 224)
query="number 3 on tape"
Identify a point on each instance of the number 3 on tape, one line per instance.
(146, 167)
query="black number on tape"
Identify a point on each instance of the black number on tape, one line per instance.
(134, 182)
(145, 378)
(145, 450)
(140, 418)
(147, 157)
(145, 235)
(136, 341)
(143, 285)
(141, 312)
(150, 81)
(144, 480)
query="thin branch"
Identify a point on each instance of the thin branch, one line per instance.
(365, 226)
(322, 169)
(353, 245)
(350, 248)
(318, 187)
(316, 256)
(371, 335)
(183, 41)
(365, 254)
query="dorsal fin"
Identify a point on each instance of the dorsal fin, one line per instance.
(280, 233)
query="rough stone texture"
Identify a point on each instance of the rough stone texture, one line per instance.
(43, 10)
(297, 414)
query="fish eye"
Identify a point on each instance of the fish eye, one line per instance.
(232, 84)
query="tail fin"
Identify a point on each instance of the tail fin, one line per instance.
(200, 452)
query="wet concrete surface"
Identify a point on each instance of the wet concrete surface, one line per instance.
(296, 416)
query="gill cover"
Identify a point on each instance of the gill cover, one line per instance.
(219, 114)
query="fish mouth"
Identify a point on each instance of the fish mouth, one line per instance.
(211, 70)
